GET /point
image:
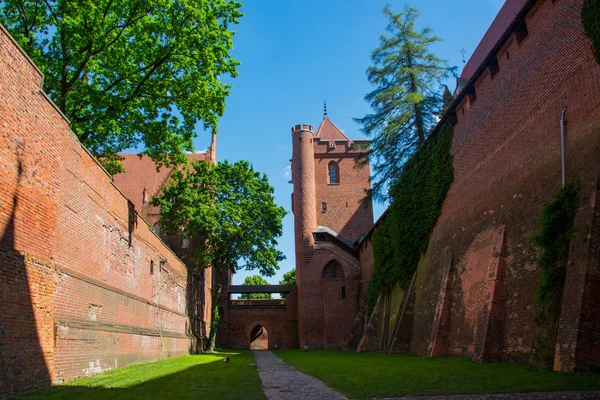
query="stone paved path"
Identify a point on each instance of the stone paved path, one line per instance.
(281, 381)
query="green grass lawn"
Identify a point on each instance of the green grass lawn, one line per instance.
(368, 375)
(203, 376)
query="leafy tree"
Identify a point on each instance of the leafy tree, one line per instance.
(233, 208)
(289, 278)
(407, 97)
(255, 280)
(123, 71)
(590, 18)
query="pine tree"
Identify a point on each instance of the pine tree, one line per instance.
(408, 79)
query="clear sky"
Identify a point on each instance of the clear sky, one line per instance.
(295, 54)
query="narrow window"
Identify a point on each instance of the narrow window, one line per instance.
(151, 267)
(334, 173)
(343, 292)
(323, 207)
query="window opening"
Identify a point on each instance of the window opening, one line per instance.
(333, 173)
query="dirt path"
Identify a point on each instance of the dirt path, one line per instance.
(281, 381)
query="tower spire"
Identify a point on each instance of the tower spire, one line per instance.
(325, 110)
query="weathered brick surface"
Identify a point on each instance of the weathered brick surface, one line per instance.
(506, 151)
(280, 322)
(326, 319)
(82, 288)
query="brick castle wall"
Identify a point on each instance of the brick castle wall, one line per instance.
(476, 286)
(280, 322)
(82, 285)
(345, 214)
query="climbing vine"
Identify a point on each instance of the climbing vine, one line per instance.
(552, 239)
(590, 16)
(418, 195)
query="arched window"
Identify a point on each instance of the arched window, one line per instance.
(334, 173)
(333, 269)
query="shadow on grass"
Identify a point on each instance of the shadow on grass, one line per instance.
(368, 375)
(203, 376)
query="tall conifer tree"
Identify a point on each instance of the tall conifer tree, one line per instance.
(407, 77)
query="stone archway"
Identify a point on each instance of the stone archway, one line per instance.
(259, 338)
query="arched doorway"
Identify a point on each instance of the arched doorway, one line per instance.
(259, 338)
(333, 269)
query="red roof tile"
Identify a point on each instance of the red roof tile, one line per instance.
(141, 173)
(501, 23)
(329, 131)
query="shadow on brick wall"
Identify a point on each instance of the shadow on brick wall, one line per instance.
(195, 305)
(22, 363)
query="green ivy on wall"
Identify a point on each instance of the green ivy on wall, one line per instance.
(590, 16)
(552, 239)
(418, 195)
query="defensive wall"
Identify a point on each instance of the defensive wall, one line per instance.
(475, 291)
(85, 285)
(278, 316)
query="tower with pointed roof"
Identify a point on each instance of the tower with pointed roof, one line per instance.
(330, 218)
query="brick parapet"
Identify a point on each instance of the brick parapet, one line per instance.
(506, 149)
(86, 285)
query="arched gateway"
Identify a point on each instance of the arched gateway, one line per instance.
(330, 221)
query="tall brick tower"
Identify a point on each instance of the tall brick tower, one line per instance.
(329, 221)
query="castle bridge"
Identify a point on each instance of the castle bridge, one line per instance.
(259, 324)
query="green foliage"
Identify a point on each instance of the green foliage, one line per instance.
(289, 278)
(131, 72)
(255, 280)
(233, 208)
(590, 16)
(418, 195)
(552, 239)
(407, 97)
(375, 375)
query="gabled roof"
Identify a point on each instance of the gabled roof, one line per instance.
(329, 131)
(334, 235)
(141, 173)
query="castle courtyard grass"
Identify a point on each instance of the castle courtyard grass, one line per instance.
(203, 376)
(369, 375)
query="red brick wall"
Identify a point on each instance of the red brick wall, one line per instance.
(324, 320)
(506, 151)
(280, 322)
(77, 294)
(345, 213)
(339, 312)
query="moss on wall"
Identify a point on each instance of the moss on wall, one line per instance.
(418, 196)
(552, 239)
(590, 16)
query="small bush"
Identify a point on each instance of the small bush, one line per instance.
(590, 16)
(552, 239)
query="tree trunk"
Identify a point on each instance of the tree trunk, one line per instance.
(419, 125)
(214, 313)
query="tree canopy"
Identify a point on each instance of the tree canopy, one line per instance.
(230, 206)
(131, 73)
(407, 97)
(255, 280)
(289, 278)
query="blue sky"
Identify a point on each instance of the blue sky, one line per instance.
(295, 54)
